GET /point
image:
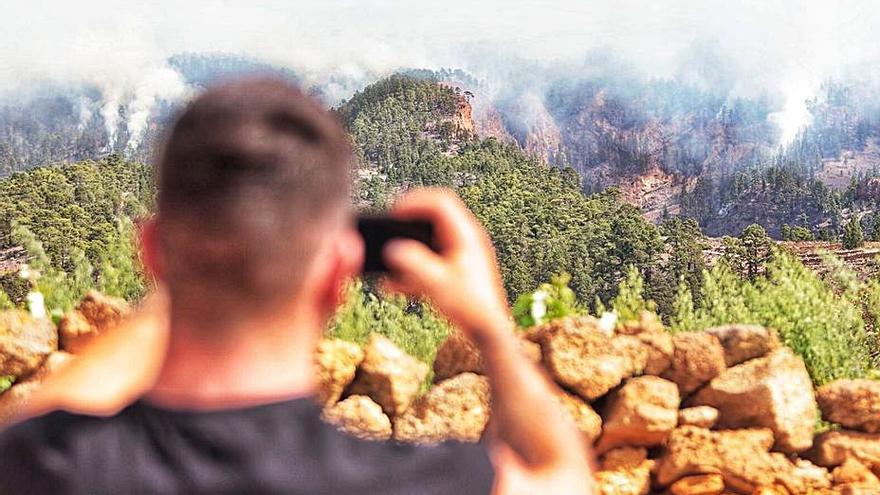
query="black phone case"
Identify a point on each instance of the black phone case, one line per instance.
(376, 231)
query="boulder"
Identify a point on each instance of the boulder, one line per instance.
(388, 375)
(701, 484)
(641, 413)
(698, 358)
(337, 362)
(855, 404)
(24, 342)
(585, 418)
(623, 458)
(15, 400)
(95, 314)
(580, 356)
(358, 415)
(661, 350)
(457, 354)
(774, 391)
(833, 448)
(454, 409)
(648, 322)
(741, 457)
(702, 416)
(625, 471)
(744, 342)
(853, 472)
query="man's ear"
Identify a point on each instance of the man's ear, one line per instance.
(151, 254)
(347, 259)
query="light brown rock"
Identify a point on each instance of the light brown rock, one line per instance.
(15, 400)
(388, 375)
(774, 391)
(833, 448)
(741, 457)
(641, 413)
(625, 471)
(698, 358)
(454, 409)
(660, 349)
(24, 342)
(854, 472)
(648, 322)
(358, 415)
(95, 314)
(702, 416)
(337, 362)
(75, 331)
(855, 404)
(744, 342)
(585, 418)
(580, 356)
(457, 355)
(623, 458)
(701, 484)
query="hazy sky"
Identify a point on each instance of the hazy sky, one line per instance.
(786, 45)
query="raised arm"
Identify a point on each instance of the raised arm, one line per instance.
(535, 448)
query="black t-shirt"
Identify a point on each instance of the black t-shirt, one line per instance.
(276, 448)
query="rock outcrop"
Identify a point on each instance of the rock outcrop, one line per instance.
(457, 354)
(625, 471)
(773, 391)
(702, 416)
(388, 376)
(95, 314)
(641, 413)
(698, 358)
(24, 343)
(833, 448)
(337, 362)
(584, 416)
(361, 417)
(741, 457)
(454, 409)
(701, 484)
(582, 357)
(855, 404)
(744, 342)
(14, 400)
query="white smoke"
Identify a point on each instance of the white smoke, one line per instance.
(794, 116)
(161, 84)
(121, 46)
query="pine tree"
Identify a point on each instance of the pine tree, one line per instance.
(852, 234)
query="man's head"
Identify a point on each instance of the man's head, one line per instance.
(253, 183)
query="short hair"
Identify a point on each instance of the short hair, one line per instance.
(249, 178)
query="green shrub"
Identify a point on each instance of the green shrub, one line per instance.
(630, 301)
(550, 301)
(415, 328)
(820, 320)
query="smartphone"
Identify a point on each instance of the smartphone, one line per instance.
(378, 230)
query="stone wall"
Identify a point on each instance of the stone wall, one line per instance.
(725, 411)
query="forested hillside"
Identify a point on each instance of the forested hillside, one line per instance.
(557, 246)
(689, 144)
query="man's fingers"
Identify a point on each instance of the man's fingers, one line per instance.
(413, 265)
(442, 208)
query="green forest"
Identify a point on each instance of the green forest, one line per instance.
(586, 253)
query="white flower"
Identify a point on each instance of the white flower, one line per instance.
(607, 323)
(539, 306)
(37, 305)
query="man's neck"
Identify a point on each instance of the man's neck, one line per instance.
(255, 363)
